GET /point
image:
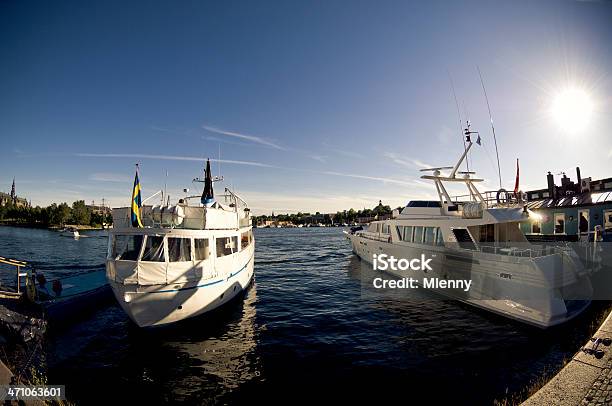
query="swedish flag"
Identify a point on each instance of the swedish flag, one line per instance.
(136, 203)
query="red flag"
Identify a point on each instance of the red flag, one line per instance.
(516, 183)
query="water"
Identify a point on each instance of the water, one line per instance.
(303, 326)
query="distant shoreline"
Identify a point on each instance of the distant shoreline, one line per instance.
(52, 228)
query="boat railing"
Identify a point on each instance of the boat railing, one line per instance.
(375, 236)
(233, 200)
(530, 251)
(492, 198)
(510, 249)
(18, 265)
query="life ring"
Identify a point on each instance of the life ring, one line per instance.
(498, 196)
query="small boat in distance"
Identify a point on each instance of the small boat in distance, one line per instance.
(182, 260)
(72, 232)
(477, 238)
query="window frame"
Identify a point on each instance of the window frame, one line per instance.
(414, 234)
(438, 237)
(163, 244)
(433, 235)
(248, 238)
(411, 234)
(189, 240)
(112, 250)
(207, 249)
(555, 223)
(230, 237)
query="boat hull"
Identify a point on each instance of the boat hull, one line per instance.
(532, 297)
(157, 305)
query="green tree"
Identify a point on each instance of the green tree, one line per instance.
(80, 213)
(60, 214)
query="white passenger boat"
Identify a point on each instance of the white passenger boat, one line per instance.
(186, 259)
(477, 237)
(72, 232)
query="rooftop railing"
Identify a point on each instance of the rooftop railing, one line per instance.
(490, 197)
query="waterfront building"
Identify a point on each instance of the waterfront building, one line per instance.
(6, 198)
(571, 209)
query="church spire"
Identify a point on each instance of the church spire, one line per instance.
(13, 195)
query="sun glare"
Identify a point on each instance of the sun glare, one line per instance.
(572, 109)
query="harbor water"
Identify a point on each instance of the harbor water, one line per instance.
(305, 325)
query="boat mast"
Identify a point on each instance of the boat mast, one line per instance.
(468, 140)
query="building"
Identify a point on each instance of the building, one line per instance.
(6, 198)
(97, 209)
(572, 208)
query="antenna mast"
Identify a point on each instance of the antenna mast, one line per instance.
(492, 126)
(467, 164)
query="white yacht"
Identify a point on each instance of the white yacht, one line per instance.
(186, 259)
(72, 232)
(477, 237)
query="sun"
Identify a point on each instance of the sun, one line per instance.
(572, 109)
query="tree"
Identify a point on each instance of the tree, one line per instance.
(61, 214)
(80, 213)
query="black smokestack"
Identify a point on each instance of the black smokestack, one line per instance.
(579, 186)
(551, 185)
(208, 196)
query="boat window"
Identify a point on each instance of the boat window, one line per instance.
(226, 246)
(245, 240)
(418, 235)
(429, 235)
(154, 249)
(378, 227)
(179, 249)
(385, 229)
(536, 227)
(439, 237)
(608, 220)
(407, 234)
(487, 233)
(423, 203)
(201, 249)
(559, 223)
(127, 247)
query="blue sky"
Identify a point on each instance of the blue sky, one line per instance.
(315, 105)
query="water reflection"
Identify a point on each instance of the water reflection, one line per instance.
(201, 359)
(225, 355)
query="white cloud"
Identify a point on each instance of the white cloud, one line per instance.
(174, 158)
(342, 151)
(109, 177)
(374, 178)
(320, 158)
(247, 137)
(408, 162)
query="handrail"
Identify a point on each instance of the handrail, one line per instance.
(17, 264)
(490, 199)
(227, 190)
(531, 252)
